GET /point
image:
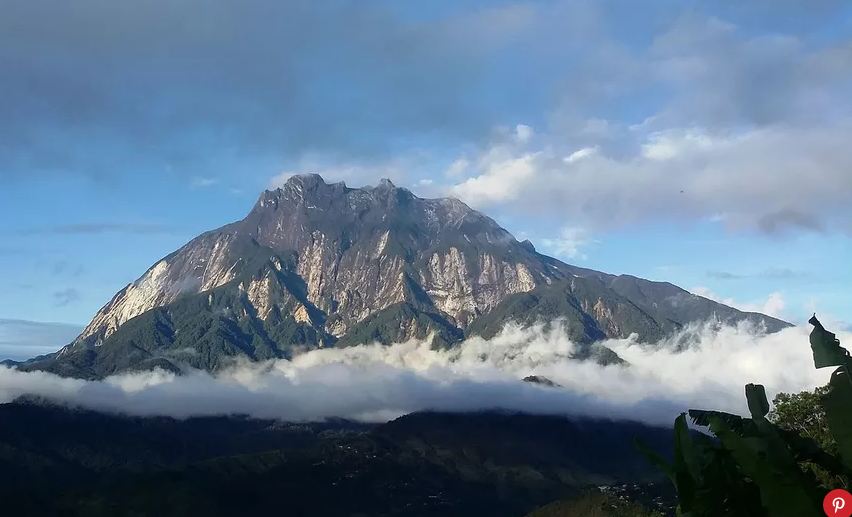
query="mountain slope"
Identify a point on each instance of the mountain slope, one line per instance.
(316, 264)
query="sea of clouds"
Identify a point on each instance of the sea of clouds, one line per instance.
(379, 383)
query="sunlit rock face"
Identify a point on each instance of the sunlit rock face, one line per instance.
(354, 250)
(317, 264)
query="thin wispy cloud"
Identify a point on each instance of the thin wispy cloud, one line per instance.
(66, 296)
(571, 243)
(22, 339)
(66, 268)
(203, 182)
(771, 273)
(101, 228)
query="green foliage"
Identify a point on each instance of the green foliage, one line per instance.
(399, 322)
(802, 414)
(779, 466)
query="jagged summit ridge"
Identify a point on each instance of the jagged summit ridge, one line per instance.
(353, 248)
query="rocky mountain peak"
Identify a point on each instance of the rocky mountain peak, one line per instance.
(300, 188)
(321, 264)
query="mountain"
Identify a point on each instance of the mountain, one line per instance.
(317, 264)
(420, 464)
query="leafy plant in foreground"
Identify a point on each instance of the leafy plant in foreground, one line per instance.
(754, 467)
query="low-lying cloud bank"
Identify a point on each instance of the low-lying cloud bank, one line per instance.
(378, 383)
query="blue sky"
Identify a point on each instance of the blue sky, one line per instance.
(703, 143)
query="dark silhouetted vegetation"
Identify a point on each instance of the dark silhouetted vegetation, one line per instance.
(60, 461)
(776, 464)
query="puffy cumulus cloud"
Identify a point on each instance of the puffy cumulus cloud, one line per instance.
(744, 127)
(375, 382)
(502, 176)
(771, 179)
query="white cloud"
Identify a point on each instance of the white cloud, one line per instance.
(570, 243)
(376, 381)
(203, 182)
(457, 168)
(502, 175)
(773, 305)
(770, 179)
(579, 154)
(671, 144)
(354, 174)
(523, 133)
(751, 127)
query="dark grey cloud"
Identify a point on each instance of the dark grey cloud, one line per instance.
(159, 85)
(789, 219)
(65, 297)
(22, 339)
(710, 65)
(152, 88)
(700, 118)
